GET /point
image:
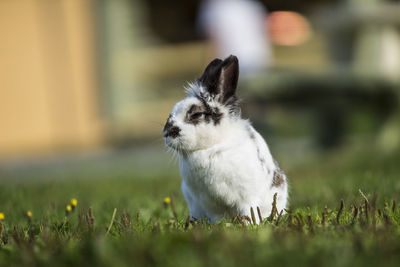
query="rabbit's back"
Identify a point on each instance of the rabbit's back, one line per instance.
(229, 179)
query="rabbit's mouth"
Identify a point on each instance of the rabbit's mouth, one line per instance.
(171, 137)
(173, 143)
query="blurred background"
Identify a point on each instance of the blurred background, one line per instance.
(93, 81)
(87, 85)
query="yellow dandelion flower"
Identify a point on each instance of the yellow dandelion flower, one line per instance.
(28, 214)
(68, 208)
(74, 202)
(2, 217)
(167, 200)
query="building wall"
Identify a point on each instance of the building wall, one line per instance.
(48, 92)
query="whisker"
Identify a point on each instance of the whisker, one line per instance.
(158, 140)
(173, 155)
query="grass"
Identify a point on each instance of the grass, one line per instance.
(329, 223)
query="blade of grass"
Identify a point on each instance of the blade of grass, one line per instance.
(253, 217)
(340, 211)
(259, 215)
(112, 221)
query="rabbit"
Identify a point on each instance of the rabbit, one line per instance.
(225, 164)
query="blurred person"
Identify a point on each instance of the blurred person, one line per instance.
(237, 27)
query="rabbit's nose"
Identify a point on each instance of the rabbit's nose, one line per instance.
(170, 130)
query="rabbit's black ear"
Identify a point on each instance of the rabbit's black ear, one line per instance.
(229, 77)
(221, 77)
(210, 77)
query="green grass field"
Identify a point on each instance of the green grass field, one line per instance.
(146, 232)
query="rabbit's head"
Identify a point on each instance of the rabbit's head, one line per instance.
(204, 118)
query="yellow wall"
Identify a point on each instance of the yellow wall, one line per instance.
(47, 78)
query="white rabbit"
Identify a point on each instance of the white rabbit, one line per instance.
(225, 164)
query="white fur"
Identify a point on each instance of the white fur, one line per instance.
(226, 168)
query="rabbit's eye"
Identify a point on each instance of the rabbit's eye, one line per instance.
(196, 115)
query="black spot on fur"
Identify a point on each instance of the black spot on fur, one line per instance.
(261, 159)
(194, 114)
(207, 107)
(170, 130)
(279, 176)
(216, 116)
(233, 103)
(173, 132)
(251, 134)
(211, 114)
(205, 112)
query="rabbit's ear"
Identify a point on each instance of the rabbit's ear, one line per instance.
(210, 77)
(221, 77)
(229, 77)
